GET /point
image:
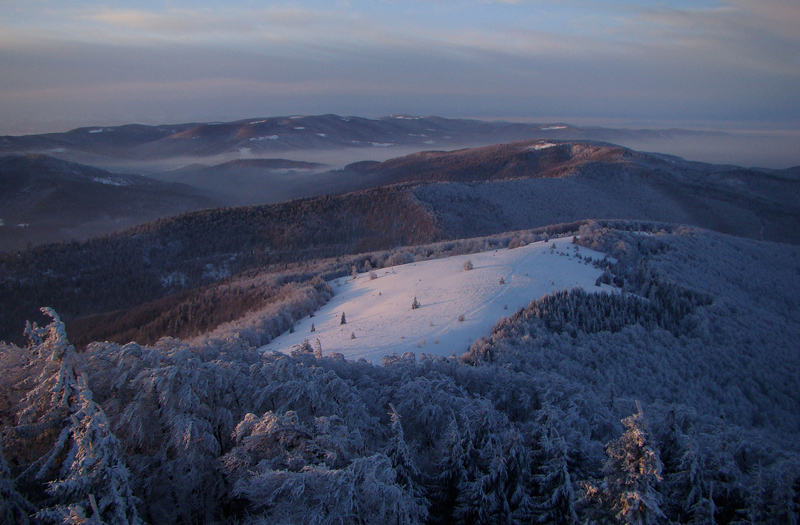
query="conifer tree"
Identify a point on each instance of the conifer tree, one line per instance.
(14, 508)
(400, 455)
(633, 472)
(555, 494)
(94, 482)
(406, 471)
(44, 412)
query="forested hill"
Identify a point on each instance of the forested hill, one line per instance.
(167, 256)
(44, 199)
(523, 159)
(675, 402)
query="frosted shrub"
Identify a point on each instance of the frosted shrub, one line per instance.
(468, 265)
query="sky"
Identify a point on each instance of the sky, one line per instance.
(699, 63)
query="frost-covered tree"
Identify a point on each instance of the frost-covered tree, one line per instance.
(295, 472)
(14, 508)
(44, 414)
(55, 389)
(398, 452)
(483, 462)
(94, 482)
(362, 492)
(685, 488)
(555, 501)
(632, 474)
(174, 427)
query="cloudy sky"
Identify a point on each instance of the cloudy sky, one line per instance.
(66, 64)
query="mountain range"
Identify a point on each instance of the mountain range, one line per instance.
(421, 198)
(559, 329)
(267, 136)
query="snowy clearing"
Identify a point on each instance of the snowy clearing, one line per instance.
(548, 128)
(544, 145)
(269, 137)
(379, 314)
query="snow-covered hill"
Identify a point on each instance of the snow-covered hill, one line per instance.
(379, 314)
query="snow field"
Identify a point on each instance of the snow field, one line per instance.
(379, 314)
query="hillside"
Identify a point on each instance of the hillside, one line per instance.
(43, 199)
(692, 368)
(521, 159)
(581, 181)
(456, 306)
(529, 184)
(194, 249)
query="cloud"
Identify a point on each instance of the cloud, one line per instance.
(757, 36)
(732, 59)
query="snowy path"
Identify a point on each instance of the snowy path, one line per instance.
(379, 311)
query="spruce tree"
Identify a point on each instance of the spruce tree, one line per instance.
(406, 471)
(94, 482)
(633, 472)
(14, 508)
(555, 501)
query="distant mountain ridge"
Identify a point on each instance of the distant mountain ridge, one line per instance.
(521, 159)
(261, 136)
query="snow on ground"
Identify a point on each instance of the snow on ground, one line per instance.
(379, 314)
(109, 182)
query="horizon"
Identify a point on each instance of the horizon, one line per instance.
(721, 126)
(737, 143)
(721, 62)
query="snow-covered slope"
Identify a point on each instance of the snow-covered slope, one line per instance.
(379, 314)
